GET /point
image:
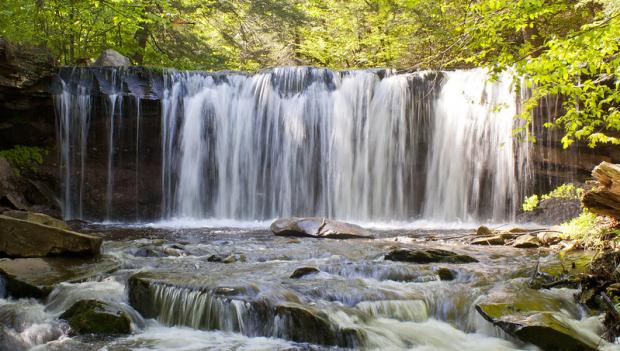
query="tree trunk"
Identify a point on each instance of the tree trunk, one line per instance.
(603, 197)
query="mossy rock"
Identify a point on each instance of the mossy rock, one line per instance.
(428, 256)
(446, 274)
(97, 317)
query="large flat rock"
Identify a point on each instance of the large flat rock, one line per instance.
(318, 227)
(37, 277)
(23, 238)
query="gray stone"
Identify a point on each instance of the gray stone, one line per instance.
(20, 238)
(111, 58)
(317, 227)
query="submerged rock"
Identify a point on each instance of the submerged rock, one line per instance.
(303, 271)
(446, 274)
(318, 227)
(37, 277)
(489, 240)
(527, 241)
(111, 58)
(97, 317)
(428, 256)
(24, 238)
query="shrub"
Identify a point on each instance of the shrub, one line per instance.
(564, 191)
(24, 159)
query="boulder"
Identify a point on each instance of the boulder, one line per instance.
(303, 271)
(112, 58)
(37, 277)
(527, 241)
(317, 227)
(230, 258)
(489, 240)
(428, 256)
(23, 238)
(484, 230)
(40, 218)
(97, 317)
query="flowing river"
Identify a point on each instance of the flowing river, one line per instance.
(217, 289)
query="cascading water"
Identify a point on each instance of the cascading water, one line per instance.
(359, 145)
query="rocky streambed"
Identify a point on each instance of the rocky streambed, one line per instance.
(159, 287)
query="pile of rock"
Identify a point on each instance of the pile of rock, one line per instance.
(516, 237)
(38, 252)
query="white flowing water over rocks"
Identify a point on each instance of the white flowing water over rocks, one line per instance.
(356, 301)
(367, 146)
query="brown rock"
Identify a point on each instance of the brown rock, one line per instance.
(317, 227)
(489, 240)
(526, 241)
(20, 238)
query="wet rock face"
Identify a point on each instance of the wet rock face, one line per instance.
(428, 256)
(97, 317)
(318, 227)
(37, 277)
(23, 238)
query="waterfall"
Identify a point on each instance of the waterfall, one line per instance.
(368, 145)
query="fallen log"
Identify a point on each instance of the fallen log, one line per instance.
(603, 195)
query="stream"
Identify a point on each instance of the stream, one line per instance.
(229, 288)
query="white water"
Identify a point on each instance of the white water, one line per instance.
(371, 146)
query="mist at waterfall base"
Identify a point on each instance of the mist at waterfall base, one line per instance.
(373, 146)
